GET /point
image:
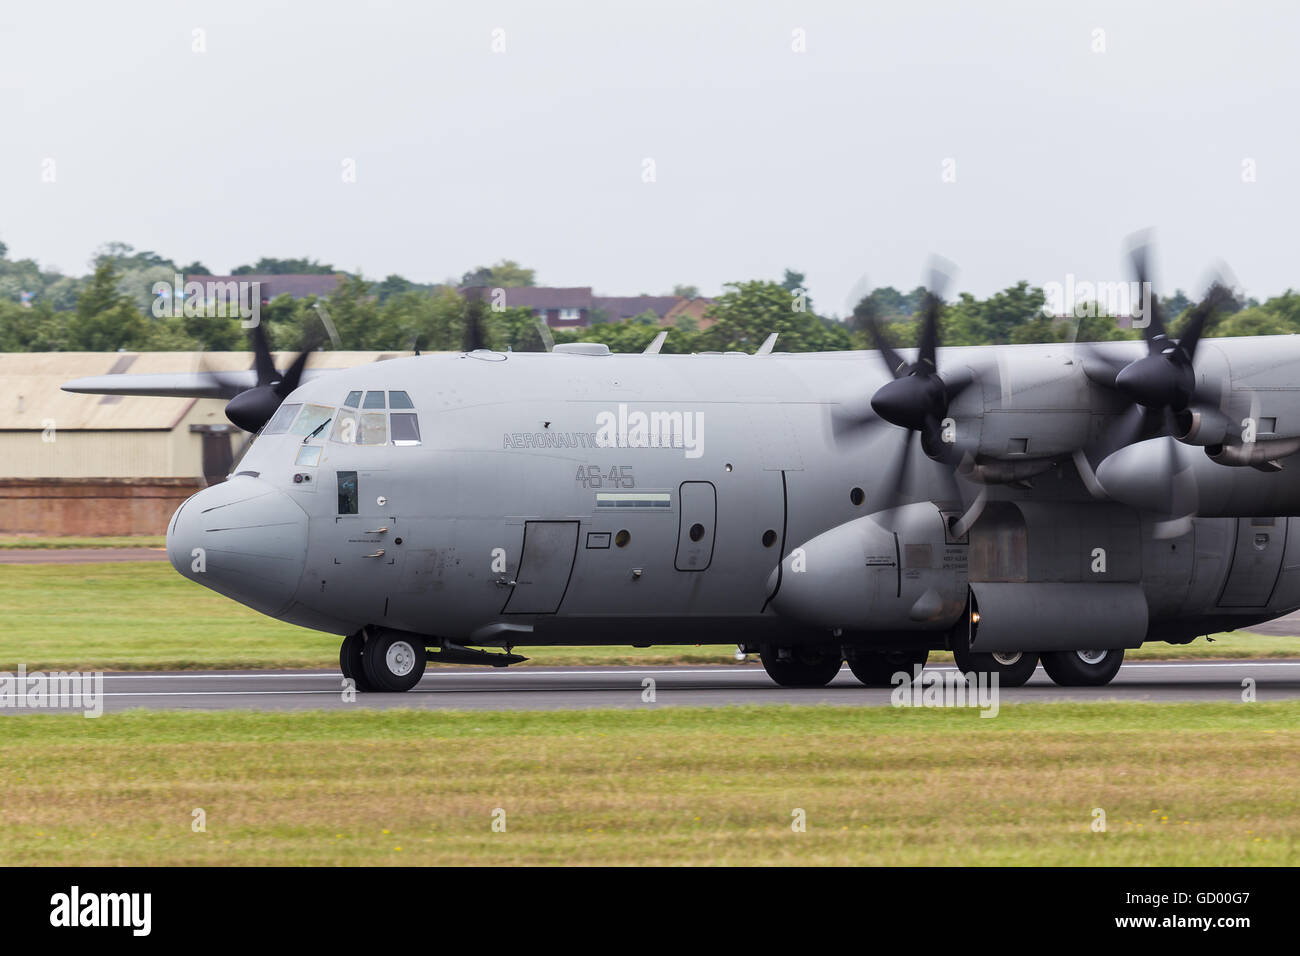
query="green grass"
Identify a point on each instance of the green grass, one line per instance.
(143, 615)
(16, 542)
(1180, 784)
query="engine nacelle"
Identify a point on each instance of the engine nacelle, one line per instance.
(893, 570)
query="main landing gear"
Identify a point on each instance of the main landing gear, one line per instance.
(1014, 668)
(812, 666)
(386, 661)
(1083, 668)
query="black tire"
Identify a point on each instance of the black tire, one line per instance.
(393, 662)
(803, 667)
(1083, 668)
(877, 668)
(1013, 670)
(350, 662)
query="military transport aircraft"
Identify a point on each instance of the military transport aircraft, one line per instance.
(1016, 504)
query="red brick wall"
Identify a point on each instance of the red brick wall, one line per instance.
(91, 506)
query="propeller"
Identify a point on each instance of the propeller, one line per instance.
(1158, 387)
(1162, 383)
(1165, 377)
(251, 408)
(475, 335)
(916, 399)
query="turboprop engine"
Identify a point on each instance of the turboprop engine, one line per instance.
(900, 569)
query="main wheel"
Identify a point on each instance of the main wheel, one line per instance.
(802, 666)
(350, 662)
(877, 668)
(1083, 668)
(392, 661)
(1013, 668)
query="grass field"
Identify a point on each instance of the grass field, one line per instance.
(143, 615)
(1180, 784)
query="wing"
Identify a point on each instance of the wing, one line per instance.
(180, 385)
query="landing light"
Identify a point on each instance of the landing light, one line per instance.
(974, 617)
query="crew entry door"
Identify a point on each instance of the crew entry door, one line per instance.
(544, 567)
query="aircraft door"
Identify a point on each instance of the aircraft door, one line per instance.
(359, 550)
(697, 520)
(544, 567)
(1256, 562)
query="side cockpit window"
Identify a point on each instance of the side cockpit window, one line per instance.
(348, 496)
(279, 423)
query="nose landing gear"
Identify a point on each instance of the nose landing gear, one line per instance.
(380, 660)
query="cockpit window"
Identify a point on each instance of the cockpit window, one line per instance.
(279, 422)
(311, 419)
(399, 400)
(374, 428)
(374, 400)
(406, 428)
(353, 400)
(345, 427)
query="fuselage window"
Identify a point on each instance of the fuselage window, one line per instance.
(345, 428)
(374, 428)
(399, 400)
(279, 422)
(311, 419)
(353, 400)
(406, 428)
(374, 400)
(348, 496)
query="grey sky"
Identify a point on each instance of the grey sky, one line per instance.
(828, 161)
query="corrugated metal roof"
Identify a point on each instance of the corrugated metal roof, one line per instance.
(31, 397)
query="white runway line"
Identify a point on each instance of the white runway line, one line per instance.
(685, 669)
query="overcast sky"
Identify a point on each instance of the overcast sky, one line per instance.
(830, 161)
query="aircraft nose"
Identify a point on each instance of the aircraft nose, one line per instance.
(243, 538)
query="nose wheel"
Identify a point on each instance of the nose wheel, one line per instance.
(392, 661)
(350, 661)
(383, 661)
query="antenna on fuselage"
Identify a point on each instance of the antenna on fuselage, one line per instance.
(768, 344)
(656, 344)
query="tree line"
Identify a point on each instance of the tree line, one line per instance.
(111, 309)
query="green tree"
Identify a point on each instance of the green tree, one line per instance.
(275, 267)
(506, 274)
(105, 320)
(747, 312)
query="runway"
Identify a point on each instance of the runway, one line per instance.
(699, 686)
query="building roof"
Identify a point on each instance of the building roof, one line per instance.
(296, 286)
(31, 396)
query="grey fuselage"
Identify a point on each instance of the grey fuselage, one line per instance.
(536, 509)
